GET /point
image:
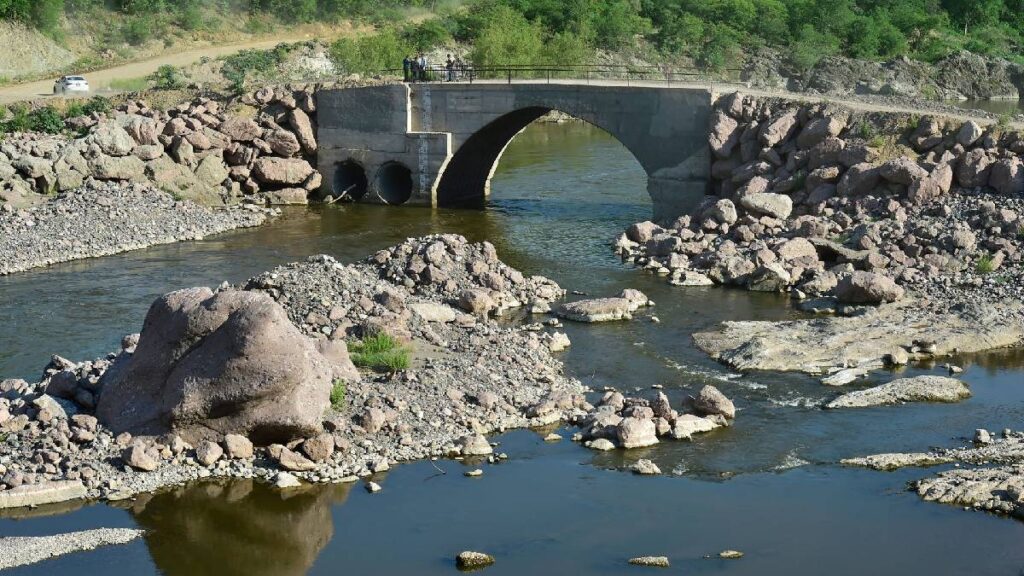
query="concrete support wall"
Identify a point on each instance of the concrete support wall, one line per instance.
(451, 135)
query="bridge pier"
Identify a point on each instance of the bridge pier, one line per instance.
(438, 144)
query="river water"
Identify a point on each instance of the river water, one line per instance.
(768, 486)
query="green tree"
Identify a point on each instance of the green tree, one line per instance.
(370, 54)
(508, 38)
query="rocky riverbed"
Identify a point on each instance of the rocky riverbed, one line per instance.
(922, 218)
(100, 218)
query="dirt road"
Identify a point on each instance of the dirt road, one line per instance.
(100, 80)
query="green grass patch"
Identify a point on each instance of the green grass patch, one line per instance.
(380, 352)
(129, 84)
(985, 265)
(338, 394)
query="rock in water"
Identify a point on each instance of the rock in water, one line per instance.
(212, 364)
(597, 310)
(918, 389)
(470, 560)
(711, 401)
(655, 561)
(645, 467)
(730, 554)
(475, 445)
(636, 433)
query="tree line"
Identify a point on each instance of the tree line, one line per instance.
(712, 32)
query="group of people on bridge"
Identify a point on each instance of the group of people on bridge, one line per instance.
(416, 68)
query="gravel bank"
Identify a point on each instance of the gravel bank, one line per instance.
(29, 550)
(468, 376)
(102, 219)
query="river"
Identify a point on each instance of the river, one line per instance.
(768, 486)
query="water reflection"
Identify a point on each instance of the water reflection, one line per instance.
(239, 527)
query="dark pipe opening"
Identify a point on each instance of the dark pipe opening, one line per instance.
(349, 181)
(394, 183)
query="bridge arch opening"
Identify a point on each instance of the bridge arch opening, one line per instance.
(350, 181)
(394, 183)
(466, 179)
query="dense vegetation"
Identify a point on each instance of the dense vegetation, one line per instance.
(714, 33)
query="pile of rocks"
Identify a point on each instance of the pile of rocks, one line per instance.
(197, 150)
(103, 218)
(469, 276)
(236, 383)
(632, 422)
(804, 203)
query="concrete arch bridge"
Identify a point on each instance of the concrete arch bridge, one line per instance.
(439, 144)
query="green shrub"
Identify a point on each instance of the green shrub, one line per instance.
(253, 63)
(985, 264)
(380, 352)
(97, 104)
(168, 77)
(338, 394)
(137, 30)
(47, 119)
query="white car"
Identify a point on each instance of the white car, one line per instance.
(68, 84)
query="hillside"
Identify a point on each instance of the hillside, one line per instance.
(714, 33)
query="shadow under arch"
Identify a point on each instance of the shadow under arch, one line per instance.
(466, 179)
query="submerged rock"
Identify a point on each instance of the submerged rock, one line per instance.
(895, 461)
(645, 467)
(917, 389)
(653, 561)
(819, 345)
(469, 560)
(597, 310)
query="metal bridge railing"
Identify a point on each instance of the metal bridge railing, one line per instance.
(554, 72)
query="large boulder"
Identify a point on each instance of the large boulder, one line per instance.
(210, 364)
(303, 127)
(929, 189)
(1007, 176)
(112, 139)
(902, 170)
(282, 142)
(974, 169)
(117, 168)
(779, 128)
(240, 129)
(284, 171)
(145, 131)
(859, 180)
(868, 288)
(725, 134)
(765, 203)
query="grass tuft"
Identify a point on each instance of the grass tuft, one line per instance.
(985, 265)
(338, 394)
(380, 352)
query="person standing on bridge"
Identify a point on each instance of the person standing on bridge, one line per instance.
(407, 68)
(449, 65)
(422, 64)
